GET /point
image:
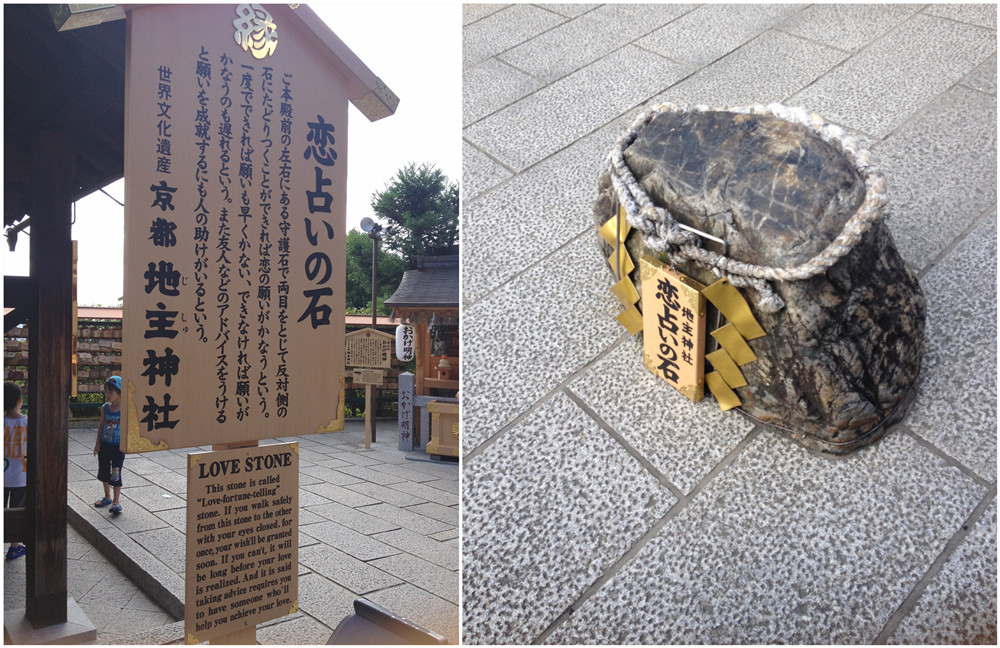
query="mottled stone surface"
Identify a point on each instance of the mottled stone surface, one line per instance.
(838, 362)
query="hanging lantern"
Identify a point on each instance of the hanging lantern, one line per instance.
(404, 342)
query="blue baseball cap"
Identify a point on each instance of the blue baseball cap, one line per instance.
(114, 381)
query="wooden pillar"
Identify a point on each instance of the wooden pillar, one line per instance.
(49, 355)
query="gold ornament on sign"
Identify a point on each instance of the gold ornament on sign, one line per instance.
(255, 30)
(614, 233)
(134, 442)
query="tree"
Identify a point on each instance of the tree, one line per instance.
(359, 274)
(419, 207)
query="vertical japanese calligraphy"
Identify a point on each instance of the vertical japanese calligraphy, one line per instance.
(234, 286)
(673, 327)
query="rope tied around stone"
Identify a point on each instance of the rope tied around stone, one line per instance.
(661, 231)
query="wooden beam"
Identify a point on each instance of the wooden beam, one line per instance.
(53, 161)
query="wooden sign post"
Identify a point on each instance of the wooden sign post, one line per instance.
(371, 349)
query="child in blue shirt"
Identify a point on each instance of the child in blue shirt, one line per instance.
(109, 457)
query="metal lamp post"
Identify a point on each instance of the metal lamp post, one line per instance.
(374, 231)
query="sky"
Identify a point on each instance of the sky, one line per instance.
(415, 50)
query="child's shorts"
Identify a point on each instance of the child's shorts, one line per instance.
(15, 496)
(109, 464)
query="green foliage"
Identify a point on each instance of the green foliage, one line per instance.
(420, 206)
(359, 275)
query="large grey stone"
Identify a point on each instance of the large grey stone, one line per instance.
(838, 362)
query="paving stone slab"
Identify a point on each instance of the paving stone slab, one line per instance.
(167, 544)
(786, 546)
(358, 519)
(439, 553)
(770, 68)
(351, 542)
(881, 86)
(406, 518)
(443, 492)
(479, 173)
(984, 77)
(300, 631)
(346, 570)
(374, 493)
(446, 514)
(426, 575)
(537, 126)
(959, 416)
(329, 475)
(420, 607)
(960, 605)
(473, 12)
(847, 26)
(404, 472)
(688, 41)
(503, 29)
(504, 373)
(983, 14)
(151, 498)
(571, 10)
(365, 474)
(553, 197)
(575, 44)
(492, 85)
(945, 152)
(324, 600)
(450, 534)
(341, 494)
(547, 508)
(681, 439)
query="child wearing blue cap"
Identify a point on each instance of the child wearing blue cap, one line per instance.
(109, 457)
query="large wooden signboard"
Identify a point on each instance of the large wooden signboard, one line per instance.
(369, 348)
(235, 168)
(242, 539)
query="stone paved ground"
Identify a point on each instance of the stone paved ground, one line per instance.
(599, 505)
(378, 524)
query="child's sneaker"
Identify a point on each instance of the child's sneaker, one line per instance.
(16, 552)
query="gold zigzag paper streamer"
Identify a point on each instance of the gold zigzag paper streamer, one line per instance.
(725, 396)
(724, 364)
(614, 232)
(734, 344)
(731, 304)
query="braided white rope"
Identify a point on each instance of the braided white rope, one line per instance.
(661, 231)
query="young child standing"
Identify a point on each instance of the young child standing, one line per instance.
(109, 457)
(15, 464)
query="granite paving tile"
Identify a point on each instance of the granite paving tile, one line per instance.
(439, 553)
(151, 498)
(336, 493)
(479, 173)
(786, 546)
(167, 459)
(959, 607)
(473, 12)
(446, 514)
(547, 508)
(492, 85)
(571, 10)
(555, 198)
(686, 40)
(351, 542)
(425, 575)
(959, 415)
(770, 68)
(537, 126)
(371, 476)
(881, 86)
(945, 152)
(176, 518)
(346, 570)
(442, 470)
(358, 519)
(298, 631)
(450, 534)
(406, 518)
(503, 29)
(167, 544)
(420, 607)
(847, 26)
(324, 600)
(575, 44)
(443, 492)
(681, 439)
(355, 458)
(505, 373)
(169, 481)
(405, 472)
(373, 493)
(984, 77)
(308, 498)
(983, 14)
